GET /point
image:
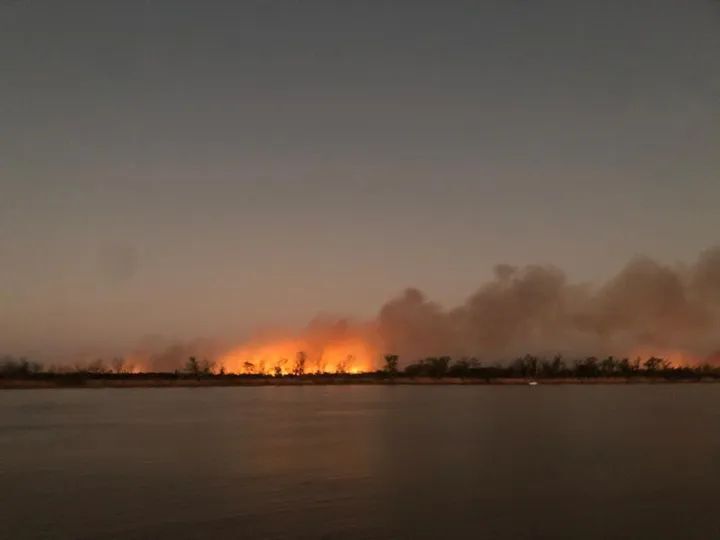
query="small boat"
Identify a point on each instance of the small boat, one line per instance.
(533, 383)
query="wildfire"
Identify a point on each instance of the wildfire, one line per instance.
(297, 356)
(676, 357)
(133, 364)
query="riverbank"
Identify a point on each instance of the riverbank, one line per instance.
(171, 381)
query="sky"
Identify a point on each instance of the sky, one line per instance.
(205, 168)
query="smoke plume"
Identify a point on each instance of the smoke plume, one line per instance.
(535, 309)
(646, 309)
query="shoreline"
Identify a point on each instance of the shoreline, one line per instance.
(144, 381)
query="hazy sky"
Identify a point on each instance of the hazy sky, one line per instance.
(200, 168)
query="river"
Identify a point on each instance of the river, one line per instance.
(361, 462)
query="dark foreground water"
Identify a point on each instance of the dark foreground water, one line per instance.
(352, 462)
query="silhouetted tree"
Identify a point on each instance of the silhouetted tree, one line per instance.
(460, 368)
(652, 364)
(587, 367)
(300, 359)
(706, 369)
(118, 364)
(555, 368)
(609, 366)
(414, 369)
(343, 365)
(391, 364)
(192, 366)
(429, 367)
(526, 366)
(18, 367)
(97, 366)
(249, 368)
(439, 366)
(624, 367)
(207, 367)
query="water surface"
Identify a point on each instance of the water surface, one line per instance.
(361, 462)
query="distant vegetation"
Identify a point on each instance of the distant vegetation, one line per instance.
(18, 367)
(441, 367)
(533, 367)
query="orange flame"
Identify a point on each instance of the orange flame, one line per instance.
(676, 357)
(349, 355)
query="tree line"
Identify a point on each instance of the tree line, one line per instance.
(525, 367)
(557, 367)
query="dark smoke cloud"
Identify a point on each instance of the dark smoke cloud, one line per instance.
(536, 309)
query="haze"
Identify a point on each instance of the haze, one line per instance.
(204, 169)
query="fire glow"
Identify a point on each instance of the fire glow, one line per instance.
(301, 356)
(675, 357)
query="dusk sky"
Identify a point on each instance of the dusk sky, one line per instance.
(205, 168)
